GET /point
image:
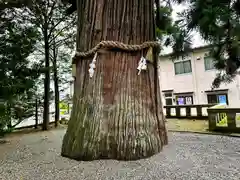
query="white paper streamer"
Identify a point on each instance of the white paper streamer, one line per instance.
(92, 66)
(142, 65)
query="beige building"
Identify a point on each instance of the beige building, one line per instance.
(188, 81)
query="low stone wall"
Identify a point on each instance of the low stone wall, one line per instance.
(194, 111)
(224, 119)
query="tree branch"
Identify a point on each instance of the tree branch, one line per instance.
(53, 28)
(50, 14)
(54, 37)
(60, 42)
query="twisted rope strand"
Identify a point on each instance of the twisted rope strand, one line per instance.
(119, 45)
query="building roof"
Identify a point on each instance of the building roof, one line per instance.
(199, 48)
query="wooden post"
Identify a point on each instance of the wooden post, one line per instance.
(199, 111)
(188, 111)
(168, 111)
(178, 113)
(231, 120)
(211, 120)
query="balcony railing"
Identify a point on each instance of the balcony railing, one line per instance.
(194, 111)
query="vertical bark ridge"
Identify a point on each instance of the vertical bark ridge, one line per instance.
(117, 113)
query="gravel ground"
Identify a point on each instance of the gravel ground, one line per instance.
(187, 157)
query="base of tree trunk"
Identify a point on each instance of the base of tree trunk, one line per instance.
(117, 114)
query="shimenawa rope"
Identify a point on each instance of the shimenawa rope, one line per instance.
(142, 65)
(118, 45)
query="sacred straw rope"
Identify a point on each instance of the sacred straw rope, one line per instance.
(119, 45)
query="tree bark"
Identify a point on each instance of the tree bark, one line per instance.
(117, 114)
(45, 125)
(56, 85)
(36, 113)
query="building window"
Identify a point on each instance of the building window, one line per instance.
(217, 98)
(168, 98)
(184, 100)
(208, 63)
(183, 67)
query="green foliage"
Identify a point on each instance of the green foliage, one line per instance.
(9, 4)
(56, 30)
(171, 33)
(17, 74)
(4, 119)
(218, 22)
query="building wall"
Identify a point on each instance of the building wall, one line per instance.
(198, 81)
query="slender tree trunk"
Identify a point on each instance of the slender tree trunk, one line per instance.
(117, 114)
(56, 86)
(9, 115)
(46, 83)
(36, 113)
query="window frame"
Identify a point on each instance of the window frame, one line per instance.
(167, 99)
(167, 96)
(184, 71)
(184, 96)
(207, 56)
(218, 94)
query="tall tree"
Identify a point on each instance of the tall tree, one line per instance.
(17, 73)
(117, 114)
(52, 21)
(60, 46)
(218, 22)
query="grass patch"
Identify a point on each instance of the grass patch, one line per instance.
(187, 125)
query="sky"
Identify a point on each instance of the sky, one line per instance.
(197, 40)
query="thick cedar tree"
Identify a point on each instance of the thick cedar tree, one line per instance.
(117, 114)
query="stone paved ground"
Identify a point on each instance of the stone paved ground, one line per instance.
(187, 157)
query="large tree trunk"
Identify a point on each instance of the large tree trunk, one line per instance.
(117, 114)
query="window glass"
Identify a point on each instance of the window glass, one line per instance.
(184, 100)
(168, 101)
(168, 94)
(168, 98)
(222, 99)
(188, 100)
(212, 98)
(180, 101)
(182, 67)
(187, 66)
(179, 68)
(208, 63)
(217, 98)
